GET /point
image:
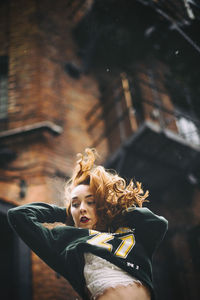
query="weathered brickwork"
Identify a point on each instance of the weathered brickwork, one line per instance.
(37, 38)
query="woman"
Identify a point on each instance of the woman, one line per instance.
(106, 249)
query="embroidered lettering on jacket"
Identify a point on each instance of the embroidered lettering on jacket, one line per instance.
(132, 265)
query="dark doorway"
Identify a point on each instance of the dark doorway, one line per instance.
(15, 275)
(6, 258)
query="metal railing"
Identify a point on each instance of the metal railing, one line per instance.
(182, 124)
(186, 126)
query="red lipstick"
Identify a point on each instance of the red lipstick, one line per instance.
(84, 219)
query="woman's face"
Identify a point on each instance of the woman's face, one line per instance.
(83, 207)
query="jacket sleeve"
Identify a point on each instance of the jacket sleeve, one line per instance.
(27, 221)
(150, 227)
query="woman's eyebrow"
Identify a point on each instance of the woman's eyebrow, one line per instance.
(74, 198)
(89, 196)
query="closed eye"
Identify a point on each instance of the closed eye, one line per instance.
(91, 202)
(75, 204)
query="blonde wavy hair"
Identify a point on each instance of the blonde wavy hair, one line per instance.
(112, 194)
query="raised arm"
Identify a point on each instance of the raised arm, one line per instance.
(27, 222)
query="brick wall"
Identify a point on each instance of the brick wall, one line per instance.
(38, 40)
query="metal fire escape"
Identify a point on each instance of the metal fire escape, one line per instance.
(156, 156)
(160, 149)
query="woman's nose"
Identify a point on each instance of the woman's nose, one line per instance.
(82, 207)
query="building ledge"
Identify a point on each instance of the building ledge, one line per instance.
(155, 156)
(45, 125)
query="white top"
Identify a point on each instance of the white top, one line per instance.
(100, 275)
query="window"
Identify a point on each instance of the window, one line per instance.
(3, 87)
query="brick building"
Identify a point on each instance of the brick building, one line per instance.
(84, 73)
(42, 127)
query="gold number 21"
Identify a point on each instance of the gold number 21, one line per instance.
(102, 239)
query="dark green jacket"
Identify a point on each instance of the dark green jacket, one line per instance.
(62, 247)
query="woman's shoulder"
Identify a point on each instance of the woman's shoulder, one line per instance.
(143, 212)
(144, 217)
